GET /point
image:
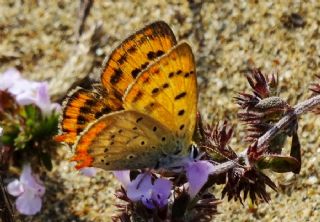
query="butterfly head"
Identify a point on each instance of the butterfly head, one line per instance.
(194, 152)
(178, 159)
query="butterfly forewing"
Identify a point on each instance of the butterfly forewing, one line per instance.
(123, 140)
(135, 54)
(167, 92)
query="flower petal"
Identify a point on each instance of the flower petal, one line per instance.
(197, 174)
(43, 98)
(28, 204)
(25, 98)
(29, 181)
(148, 202)
(8, 78)
(23, 86)
(123, 176)
(15, 188)
(140, 187)
(161, 192)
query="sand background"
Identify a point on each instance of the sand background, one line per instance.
(228, 37)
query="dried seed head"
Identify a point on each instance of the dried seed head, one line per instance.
(216, 141)
(248, 181)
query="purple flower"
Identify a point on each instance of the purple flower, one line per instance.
(123, 176)
(9, 78)
(27, 92)
(197, 173)
(152, 195)
(29, 190)
(88, 171)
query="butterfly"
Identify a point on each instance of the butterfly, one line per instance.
(143, 114)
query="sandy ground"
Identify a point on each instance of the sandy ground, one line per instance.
(227, 37)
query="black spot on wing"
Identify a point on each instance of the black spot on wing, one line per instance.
(79, 130)
(166, 85)
(90, 102)
(115, 78)
(181, 112)
(98, 114)
(155, 90)
(159, 53)
(151, 55)
(85, 110)
(137, 97)
(180, 96)
(143, 66)
(122, 59)
(132, 49)
(106, 110)
(135, 72)
(81, 120)
(139, 119)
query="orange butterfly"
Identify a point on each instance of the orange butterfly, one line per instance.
(144, 113)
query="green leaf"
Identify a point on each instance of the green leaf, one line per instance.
(31, 112)
(277, 143)
(9, 136)
(278, 163)
(20, 142)
(45, 128)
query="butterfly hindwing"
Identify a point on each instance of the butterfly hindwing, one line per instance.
(135, 54)
(123, 140)
(167, 92)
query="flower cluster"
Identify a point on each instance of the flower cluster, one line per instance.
(28, 120)
(27, 92)
(29, 190)
(160, 194)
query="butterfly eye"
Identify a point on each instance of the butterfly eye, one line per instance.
(194, 151)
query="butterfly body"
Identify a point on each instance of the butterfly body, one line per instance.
(147, 117)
